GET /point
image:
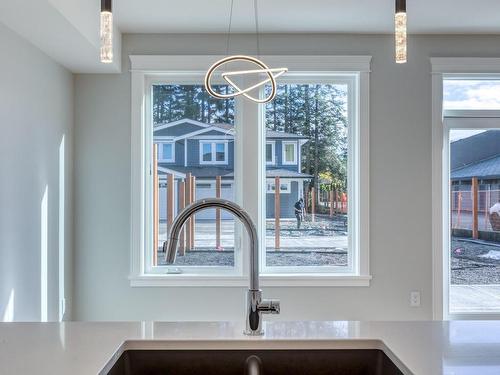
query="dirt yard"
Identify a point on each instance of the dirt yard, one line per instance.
(474, 262)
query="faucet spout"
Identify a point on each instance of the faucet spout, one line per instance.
(255, 305)
(237, 211)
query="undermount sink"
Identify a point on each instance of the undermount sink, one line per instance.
(255, 362)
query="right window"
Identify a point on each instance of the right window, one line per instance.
(308, 218)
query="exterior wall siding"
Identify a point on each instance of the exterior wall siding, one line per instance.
(286, 202)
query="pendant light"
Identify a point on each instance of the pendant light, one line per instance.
(400, 31)
(262, 68)
(106, 32)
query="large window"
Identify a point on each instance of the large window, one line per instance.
(311, 169)
(307, 223)
(472, 209)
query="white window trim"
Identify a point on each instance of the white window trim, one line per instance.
(191, 69)
(287, 183)
(273, 153)
(160, 152)
(442, 67)
(283, 157)
(213, 149)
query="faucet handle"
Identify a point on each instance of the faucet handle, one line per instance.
(269, 306)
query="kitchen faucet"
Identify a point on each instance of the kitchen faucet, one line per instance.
(256, 306)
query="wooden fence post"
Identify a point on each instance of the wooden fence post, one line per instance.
(193, 198)
(218, 187)
(170, 200)
(155, 205)
(182, 200)
(187, 197)
(277, 213)
(474, 191)
(313, 204)
(331, 203)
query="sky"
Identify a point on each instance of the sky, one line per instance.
(470, 94)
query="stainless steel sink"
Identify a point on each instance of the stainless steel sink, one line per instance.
(255, 362)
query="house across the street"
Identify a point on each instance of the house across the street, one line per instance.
(207, 151)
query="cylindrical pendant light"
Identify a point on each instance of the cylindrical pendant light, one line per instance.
(400, 31)
(106, 32)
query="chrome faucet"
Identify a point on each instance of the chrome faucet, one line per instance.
(256, 306)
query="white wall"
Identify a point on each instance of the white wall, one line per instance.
(36, 114)
(400, 153)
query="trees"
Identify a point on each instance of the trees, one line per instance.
(175, 102)
(319, 112)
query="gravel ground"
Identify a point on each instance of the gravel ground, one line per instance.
(320, 257)
(323, 229)
(470, 267)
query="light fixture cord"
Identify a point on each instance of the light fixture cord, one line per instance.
(229, 28)
(257, 26)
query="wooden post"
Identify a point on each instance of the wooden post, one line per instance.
(313, 203)
(187, 197)
(331, 203)
(155, 205)
(277, 206)
(170, 200)
(459, 210)
(474, 191)
(193, 198)
(306, 199)
(218, 188)
(182, 200)
(486, 207)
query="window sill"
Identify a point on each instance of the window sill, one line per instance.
(275, 280)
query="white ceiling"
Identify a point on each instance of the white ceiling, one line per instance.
(68, 30)
(286, 16)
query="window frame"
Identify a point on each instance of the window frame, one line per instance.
(160, 151)
(283, 149)
(273, 153)
(270, 183)
(191, 69)
(213, 151)
(442, 68)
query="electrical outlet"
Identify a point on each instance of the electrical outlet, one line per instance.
(415, 299)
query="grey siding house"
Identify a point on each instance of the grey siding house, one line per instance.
(207, 151)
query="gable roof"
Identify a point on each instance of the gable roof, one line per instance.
(474, 149)
(198, 128)
(488, 168)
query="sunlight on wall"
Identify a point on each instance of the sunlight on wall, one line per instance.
(8, 314)
(62, 220)
(44, 236)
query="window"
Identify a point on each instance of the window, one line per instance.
(472, 239)
(289, 153)
(312, 221)
(315, 144)
(166, 152)
(284, 187)
(213, 152)
(270, 152)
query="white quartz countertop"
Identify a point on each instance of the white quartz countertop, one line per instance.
(423, 348)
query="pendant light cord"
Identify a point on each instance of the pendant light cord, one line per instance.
(229, 27)
(256, 11)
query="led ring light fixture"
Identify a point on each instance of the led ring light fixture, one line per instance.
(271, 77)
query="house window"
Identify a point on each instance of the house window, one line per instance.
(166, 152)
(315, 140)
(213, 152)
(289, 153)
(270, 152)
(284, 187)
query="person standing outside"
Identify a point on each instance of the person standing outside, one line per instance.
(299, 211)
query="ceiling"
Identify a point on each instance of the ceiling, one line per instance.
(68, 30)
(323, 16)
